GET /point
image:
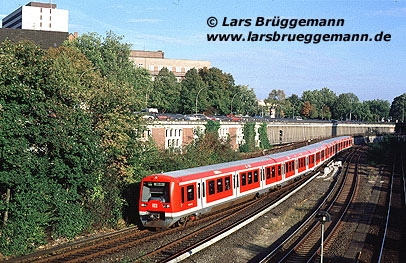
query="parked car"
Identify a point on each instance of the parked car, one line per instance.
(150, 110)
(196, 117)
(235, 117)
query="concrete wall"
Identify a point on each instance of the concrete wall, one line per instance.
(176, 134)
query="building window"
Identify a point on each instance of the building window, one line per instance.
(170, 68)
(40, 24)
(178, 69)
(40, 10)
(186, 69)
(49, 25)
(151, 68)
(40, 17)
(160, 67)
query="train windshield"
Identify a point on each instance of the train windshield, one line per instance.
(155, 191)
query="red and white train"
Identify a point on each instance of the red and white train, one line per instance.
(185, 194)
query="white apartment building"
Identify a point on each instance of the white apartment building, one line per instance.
(37, 16)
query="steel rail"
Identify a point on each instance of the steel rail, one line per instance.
(388, 212)
(316, 224)
(331, 233)
(226, 231)
(308, 219)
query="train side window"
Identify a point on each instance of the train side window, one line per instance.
(198, 191)
(268, 173)
(279, 170)
(286, 168)
(227, 183)
(249, 177)
(220, 185)
(204, 193)
(256, 176)
(243, 179)
(183, 194)
(211, 187)
(190, 193)
(273, 172)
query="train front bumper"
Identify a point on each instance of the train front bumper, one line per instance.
(156, 219)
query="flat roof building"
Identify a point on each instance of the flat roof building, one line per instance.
(154, 61)
(37, 16)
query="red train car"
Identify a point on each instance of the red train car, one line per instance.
(178, 196)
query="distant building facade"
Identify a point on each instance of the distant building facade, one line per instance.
(154, 61)
(37, 16)
(44, 39)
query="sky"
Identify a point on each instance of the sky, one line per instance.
(370, 70)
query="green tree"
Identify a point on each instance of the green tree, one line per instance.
(249, 137)
(166, 92)
(277, 99)
(121, 90)
(294, 106)
(245, 101)
(326, 113)
(212, 126)
(263, 136)
(319, 99)
(398, 108)
(190, 86)
(379, 109)
(343, 107)
(220, 89)
(50, 155)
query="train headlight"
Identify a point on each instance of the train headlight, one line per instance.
(166, 206)
(143, 205)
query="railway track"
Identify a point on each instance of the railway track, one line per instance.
(303, 245)
(91, 249)
(205, 236)
(97, 247)
(392, 240)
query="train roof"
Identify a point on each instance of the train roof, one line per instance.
(214, 167)
(254, 161)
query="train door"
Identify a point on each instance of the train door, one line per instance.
(262, 177)
(200, 193)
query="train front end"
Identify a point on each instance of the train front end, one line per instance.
(155, 206)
